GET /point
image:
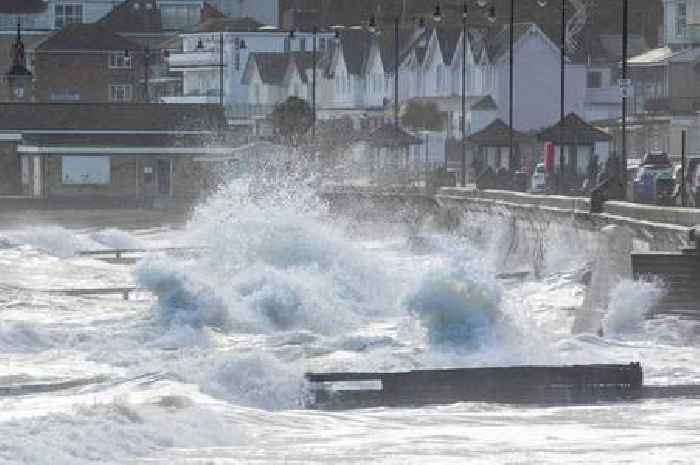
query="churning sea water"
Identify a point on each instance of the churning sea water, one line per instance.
(207, 365)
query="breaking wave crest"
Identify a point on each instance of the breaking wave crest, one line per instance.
(630, 303)
(459, 306)
(273, 263)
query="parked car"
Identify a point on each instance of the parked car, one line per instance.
(692, 182)
(654, 180)
(538, 181)
(694, 186)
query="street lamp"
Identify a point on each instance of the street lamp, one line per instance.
(313, 85)
(625, 13)
(437, 15)
(464, 95)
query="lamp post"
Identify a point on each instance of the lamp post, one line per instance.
(623, 161)
(221, 68)
(313, 84)
(562, 85)
(464, 94)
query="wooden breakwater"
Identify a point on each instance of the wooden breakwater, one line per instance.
(517, 384)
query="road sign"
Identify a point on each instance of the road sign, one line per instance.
(626, 88)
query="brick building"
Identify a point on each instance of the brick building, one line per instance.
(88, 62)
(97, 152)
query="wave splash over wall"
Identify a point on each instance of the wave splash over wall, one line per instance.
(273, 263)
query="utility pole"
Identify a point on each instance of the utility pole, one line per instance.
(221, 68)
(464, 95)
(625, 12)
(313, 85)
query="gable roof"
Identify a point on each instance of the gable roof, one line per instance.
(110, 117)
(390, 136)
(226, 24)
(356, 45)
(87, 37)
(498, 133)
(573, 130)
(499, 44)
(132, 16)
(272, 66)
(448, 38)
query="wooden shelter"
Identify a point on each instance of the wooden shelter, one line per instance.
(581, 144)
(387, 144)
(493, 146)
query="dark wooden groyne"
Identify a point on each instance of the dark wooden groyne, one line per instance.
(517, 384)
(679, 274)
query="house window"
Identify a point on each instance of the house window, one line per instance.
(287, 45)
(120, 92)
(175, 17)
(681, 18)
(119, 60)
(302, 44)
(594, 80)
(322, 44)
(67, 13)
(85, 170)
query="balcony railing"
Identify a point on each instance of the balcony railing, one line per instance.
(194, 59)
(673, 105)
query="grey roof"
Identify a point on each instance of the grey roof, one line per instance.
(484, 104)
(573, 130)
(22, 6)
(271, 66)
(448, 38)
(390, 136)
(88, 37)
(356, 46)
(498, 133)
(106, 116)
(226, 24)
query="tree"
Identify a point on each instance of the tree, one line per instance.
(292, 118)
(424, 116)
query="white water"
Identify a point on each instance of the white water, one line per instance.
(209, 367)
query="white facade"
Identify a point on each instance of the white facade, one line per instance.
(201, 67)
(536, 89)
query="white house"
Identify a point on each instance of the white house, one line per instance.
(204, 64)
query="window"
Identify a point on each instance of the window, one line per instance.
(67, 13)
(119, 60)
(85, 170)
(681, 18)
(322, 44)
(287, 45)
(440, 78)
(179, 16)
(594, 80)
(120, 92)
(302, 44)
